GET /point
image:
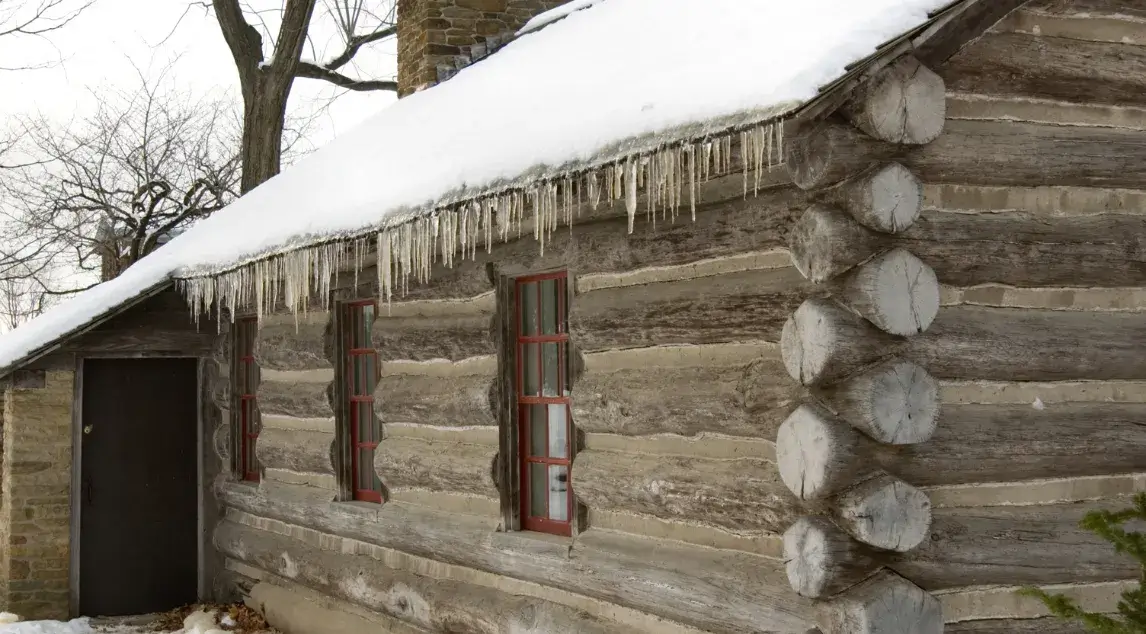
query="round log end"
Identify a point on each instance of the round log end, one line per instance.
(896, 291)
(885, 512)
(821, 560)
(806, 157)
(825, 243)
(884, 604)
(906, 104)
(816, 456)
(896, 403)
(824, 342)
(889, 200)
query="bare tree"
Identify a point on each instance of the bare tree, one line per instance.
(114, 186)
(35, 19)
(269, 62)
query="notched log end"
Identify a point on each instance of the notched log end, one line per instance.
(905, 104)
(824, 342)
(895, 403)
(825, 243)
(888, 199)
(821, 560)
(896, 291)
(884, 603)
(816, 455)
(886, 513)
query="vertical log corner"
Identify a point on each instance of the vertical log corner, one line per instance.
(840, 344)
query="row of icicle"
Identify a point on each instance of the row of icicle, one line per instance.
(407, 251)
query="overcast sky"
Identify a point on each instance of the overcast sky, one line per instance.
(99, 49)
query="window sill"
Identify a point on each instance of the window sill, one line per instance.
(359, 508)
(533, 543)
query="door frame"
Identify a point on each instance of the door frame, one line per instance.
(76, 502)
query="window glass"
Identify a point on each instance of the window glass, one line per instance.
(537, 429)
(559, 492)
(550, 359)
(530, 372)
(549, 302)
(558, 443)
(527, 296)
(538, 489)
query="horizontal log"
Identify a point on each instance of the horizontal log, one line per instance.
(459, 401)
(739, 306)
(1015, 545)
(421, 338)
(1009, 443)
(728, 226)
(904, 103)
(751, 592)
(734, 389)
(832, 151)
(294, 342)
(296, 450)
(1042, 67)
(1051, 625)
(1013, 248)
(1009, 153)
(996, 108)
(981, 603)
(1041, 491)
(739, 495)
(437, 465)
(433, 604)
(824, 343)
(292, 398)
(161, 325)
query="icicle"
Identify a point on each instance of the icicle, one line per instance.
(631, 192)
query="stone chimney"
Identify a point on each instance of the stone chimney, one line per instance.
(436, 37)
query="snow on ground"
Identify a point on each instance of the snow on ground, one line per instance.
(196, 623)
(616, 70)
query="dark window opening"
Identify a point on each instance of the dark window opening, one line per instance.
(245, 387)
(544, 415)
(362, 372)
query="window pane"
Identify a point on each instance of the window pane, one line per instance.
(365, 479)
(549, 359)
(530, 378)
(558, 443)
(537, 429)
(559, 492)
(549, 307)
(251, 374)
(527, 303)
(365, 419)
(367, 325)
(371, 365)
(538, 489)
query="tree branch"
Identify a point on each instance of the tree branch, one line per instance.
(312, 71)
(243, 39)
(357, 42)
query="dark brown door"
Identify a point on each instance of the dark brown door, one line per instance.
(139, 506)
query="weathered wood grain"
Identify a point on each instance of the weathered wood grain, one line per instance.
(295, 450)
(457, 401)
(161, 325)
(904, 103)
(436, 605)
(1037, 66)
(739, 495)
(294, 398)
(741, 306)
(1015, 248)
(821, 560)
(425, 337)
(828, 152)
(290, 342)
(1011, 153)
(887, 199)
(1016, 626)
(734, 390)
(1014, 545)
(437, 465)
(883, 603)
(1009, 443)
(896, 403)
(752, 591)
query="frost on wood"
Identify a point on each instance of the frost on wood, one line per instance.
(407, 251)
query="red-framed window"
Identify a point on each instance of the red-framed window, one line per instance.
(245, 386)
(362, 372)
(544, 416)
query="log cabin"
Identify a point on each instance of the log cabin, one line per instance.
(848, 360)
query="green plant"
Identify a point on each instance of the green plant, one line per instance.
(1131, 618)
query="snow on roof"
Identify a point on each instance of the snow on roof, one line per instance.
(556, 14)
(615, 79)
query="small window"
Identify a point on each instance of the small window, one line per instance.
(364, 430)
(544, 416)
(244, 388)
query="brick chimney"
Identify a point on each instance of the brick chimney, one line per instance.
(448, 34)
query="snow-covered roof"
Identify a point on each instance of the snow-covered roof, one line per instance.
(604, 81)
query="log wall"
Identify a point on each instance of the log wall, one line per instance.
(965, 350)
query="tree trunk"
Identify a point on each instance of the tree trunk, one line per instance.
(264, 116)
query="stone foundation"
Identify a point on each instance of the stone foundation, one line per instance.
(35, 512)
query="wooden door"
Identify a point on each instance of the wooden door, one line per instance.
(139, 478)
